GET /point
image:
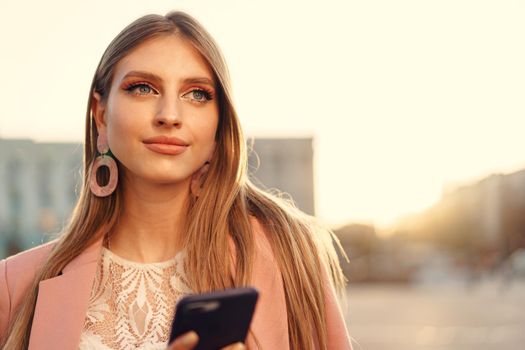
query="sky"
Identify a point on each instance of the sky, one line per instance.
(403, 98)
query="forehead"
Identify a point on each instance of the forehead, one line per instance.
(169, 56)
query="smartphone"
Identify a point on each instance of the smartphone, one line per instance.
(219, 318)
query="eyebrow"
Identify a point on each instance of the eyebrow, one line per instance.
(154, 77)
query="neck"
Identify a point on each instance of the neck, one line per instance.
(149, 228)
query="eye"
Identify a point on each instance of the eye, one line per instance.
(199, 95)
(139, 88)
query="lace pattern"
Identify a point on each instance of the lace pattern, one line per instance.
(132, 304)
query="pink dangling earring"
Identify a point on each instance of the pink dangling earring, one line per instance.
(104, 159)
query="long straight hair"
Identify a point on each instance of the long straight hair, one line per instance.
(303, 250)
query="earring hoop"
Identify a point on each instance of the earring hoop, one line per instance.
(104, 159)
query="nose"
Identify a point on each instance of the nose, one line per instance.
(168, 113)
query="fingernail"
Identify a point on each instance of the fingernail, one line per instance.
(239, 346)
(190, 338)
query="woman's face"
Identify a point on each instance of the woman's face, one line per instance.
(161, 114)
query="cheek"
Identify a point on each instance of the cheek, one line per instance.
(121, 131)
(206, 136)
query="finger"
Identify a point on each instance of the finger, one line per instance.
(235, 346)
(187, 341)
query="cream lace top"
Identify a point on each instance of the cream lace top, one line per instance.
(132, 304)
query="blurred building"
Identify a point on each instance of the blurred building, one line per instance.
(483, 222)
(286, 165)
(39, 183)
(474, 229)
(372, 258)
(37, 190)
(512, 221)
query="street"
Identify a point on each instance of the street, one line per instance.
(481, 316)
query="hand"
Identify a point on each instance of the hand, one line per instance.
(187, 341)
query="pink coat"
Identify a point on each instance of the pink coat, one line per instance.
(63, 300)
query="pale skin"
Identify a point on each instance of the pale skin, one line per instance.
(153, 93)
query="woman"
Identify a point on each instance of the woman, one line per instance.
(166, 209)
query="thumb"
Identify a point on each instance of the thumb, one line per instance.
(187, 341)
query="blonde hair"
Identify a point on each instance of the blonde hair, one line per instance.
(303, 250)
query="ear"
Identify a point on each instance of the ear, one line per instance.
(98, 110)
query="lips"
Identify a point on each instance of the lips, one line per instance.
(166, 145)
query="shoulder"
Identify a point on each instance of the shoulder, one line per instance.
(34, 255)
(262, 244)
(18, 271)
(16, 275)
(270, 324)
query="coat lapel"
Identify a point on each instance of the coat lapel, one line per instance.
(62, 303)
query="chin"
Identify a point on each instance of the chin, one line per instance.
(161, 176)
(167, 180)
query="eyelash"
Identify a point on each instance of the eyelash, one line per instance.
(132, 86)
(208, 95)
